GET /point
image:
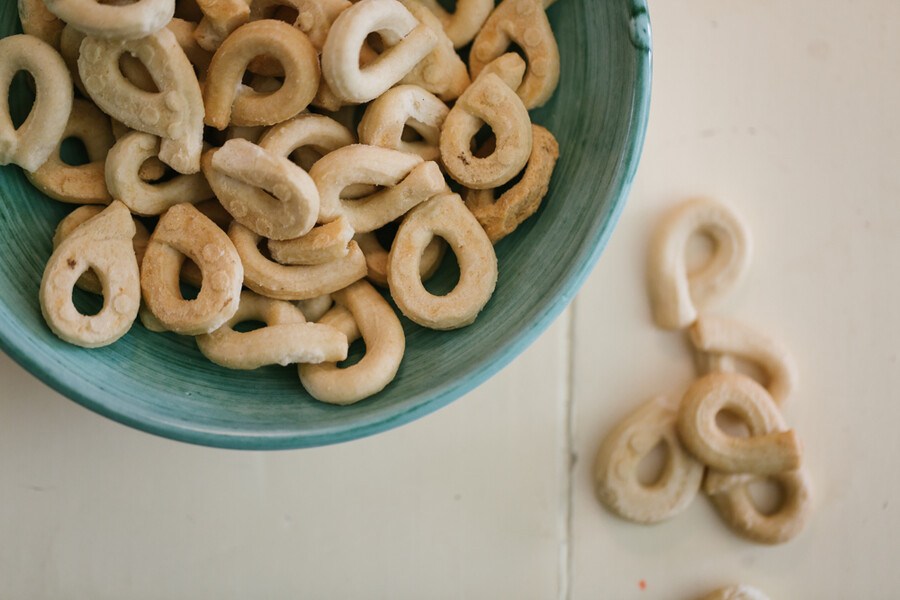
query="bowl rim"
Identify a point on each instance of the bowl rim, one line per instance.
(16, 346)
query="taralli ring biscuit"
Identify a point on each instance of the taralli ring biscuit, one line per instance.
(315, 308)
(175, 113)
(447, 217)
(364, 312)
(228, 101)
(500, 216)
(377, 258)
(82, 184)
(677, 295)
(400, 107)
(184, 232)
(488, 100)
(36, 139)
(40, 22)
(321, 245)
(313, 17)
(263, 191)
(721, 336)
(770, 448)
(623, 450)
(407, 179)
(281, 282)
(220, 18)
(89, 281)
(123, 178)
(463, 24)
(115, 21)
(524, 23)
(104, 244)
(407, 42)
(306, 138)
(442, 72)
(736, 592)
(286, 339)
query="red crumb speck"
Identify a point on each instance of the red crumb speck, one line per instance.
(642, 584)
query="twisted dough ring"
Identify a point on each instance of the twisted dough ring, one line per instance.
(623, 450)
(89, 281)
(500, 216)
(362, 312)
(229, 101)
(183, 231)
(408, 178)
(112, 21)
(405, 105)
(445, 216)
(104, 244)
(82, 184)
(123, 178)
(263, 191)
(40, 22)
(490, 100)
(322, 244)
(723, 337)
(771, 448)
(220, 19)
(676, 295)
(35, 140)
(293, 282)
(175, 113)
(442, 72)
(407, 42)
(377, 258)
(286, 339)
(731, 496)
(522, 22)
(464, 23)
(306, 138)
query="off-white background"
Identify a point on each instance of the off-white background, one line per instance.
(787, 111)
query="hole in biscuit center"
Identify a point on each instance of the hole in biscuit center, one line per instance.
(445, 276)
(699, 253)
(87, 303)
(652, 467)
(731, 424)
(136, 73)
(767, 495)
(248, 326)
(21, 97)
(73, 152)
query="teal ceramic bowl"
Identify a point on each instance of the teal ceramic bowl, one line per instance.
(160, 383)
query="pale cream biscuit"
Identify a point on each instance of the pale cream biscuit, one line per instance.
(488, 100)
(377, 258)
(463, 24)
(69, 47)
(286, 339)
(623, 450)
(723, 337)
(36, 139)
(220, 19)
(281, 282)
(313, 17)
(445, 216)
(82, 184)
(104, 244)
(500, 216)
(199, 56)
(228, 101)
(184, 232)
(314, 308)
(405, 106)
(362, 312)
(322, 244)
(114, 21)
(406, 43)
(89, 281)
(263, 191)
(38, 21)
(736, 592)
(524, 23)
(306, 138)
(175, 113)
(770, 447)
(407, 178)
(677, 295)
(123, 178)
(442, 72)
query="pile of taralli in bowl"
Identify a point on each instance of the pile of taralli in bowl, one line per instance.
(222, 158)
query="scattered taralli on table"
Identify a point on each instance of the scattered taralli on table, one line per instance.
(211, 164)
(688, 426)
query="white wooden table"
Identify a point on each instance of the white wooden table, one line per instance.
(787, 111)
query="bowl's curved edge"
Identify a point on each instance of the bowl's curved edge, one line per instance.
(440, 398)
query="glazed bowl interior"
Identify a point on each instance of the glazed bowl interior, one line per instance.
(160, 383)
